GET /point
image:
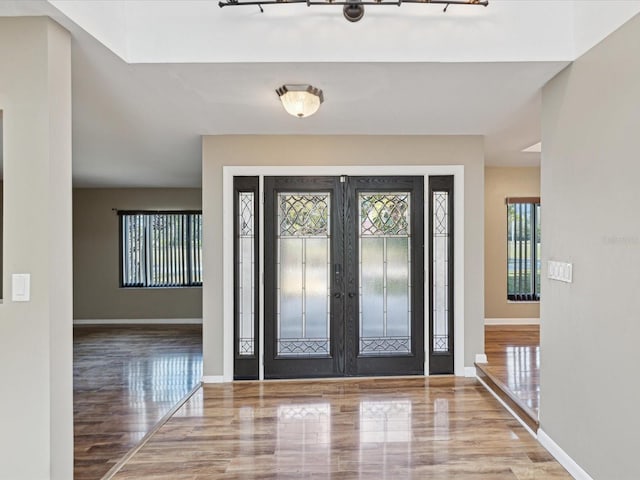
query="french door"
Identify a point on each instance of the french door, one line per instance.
(344, 273)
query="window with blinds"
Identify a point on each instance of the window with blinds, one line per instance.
(161, 249)
(523, 249)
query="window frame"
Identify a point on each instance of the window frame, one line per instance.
(534, 202)
(121, 283)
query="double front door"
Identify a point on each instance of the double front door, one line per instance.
(344, 282)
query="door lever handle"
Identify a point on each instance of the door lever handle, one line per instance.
(338, 295)
(351, 294)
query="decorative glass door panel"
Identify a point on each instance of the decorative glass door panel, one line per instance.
(384, 305)
(303, 320)
(385, 266)
(303, 271)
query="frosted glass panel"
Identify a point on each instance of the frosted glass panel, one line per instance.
(317, 287)
(372, 285)
(246, 269)
(290, 311)
(398, 305)
(440, 271)
(303, 267)
(385, 272)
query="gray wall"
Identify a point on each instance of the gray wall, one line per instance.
(36, 418)
(96, 291)
(590, 390)
(341, 150)
(1, 232)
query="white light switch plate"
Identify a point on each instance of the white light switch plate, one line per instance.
(21, 287)
(560, 271)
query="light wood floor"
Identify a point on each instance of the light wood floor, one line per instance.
(391, 428)
(513, 353)
(125, 380)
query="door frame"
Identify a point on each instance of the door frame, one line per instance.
(228, 172)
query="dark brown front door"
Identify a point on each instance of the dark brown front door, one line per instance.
(344, 276)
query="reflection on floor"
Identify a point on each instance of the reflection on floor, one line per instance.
(391, 428)
(126, 379)
(513, 352)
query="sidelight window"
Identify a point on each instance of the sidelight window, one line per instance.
(440, 267)
(246, 282)
(246, 273)
(441, 274)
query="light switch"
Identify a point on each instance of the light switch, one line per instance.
(560, 271)
(21, 287)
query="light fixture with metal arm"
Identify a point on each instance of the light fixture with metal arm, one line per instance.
(353, 10)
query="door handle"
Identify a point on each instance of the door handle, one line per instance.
(338, 295)
(351, 294)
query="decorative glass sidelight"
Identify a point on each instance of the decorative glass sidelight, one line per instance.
(303, 274)
(246, 269)
(384, 272)
(440, 287)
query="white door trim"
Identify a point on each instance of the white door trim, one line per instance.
(228, 172)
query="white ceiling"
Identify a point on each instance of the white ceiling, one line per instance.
(201, 32)
(140, 124)
(198, 31)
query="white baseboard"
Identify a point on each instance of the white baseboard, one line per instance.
(508, 408)
(470, 372)
(512, 321)
(213, 379)
(562, 457)
(138, 321)
(481, 358)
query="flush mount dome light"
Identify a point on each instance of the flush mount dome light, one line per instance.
(300, 100)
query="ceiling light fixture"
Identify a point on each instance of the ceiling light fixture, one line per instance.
(353, 10)
(300, 100)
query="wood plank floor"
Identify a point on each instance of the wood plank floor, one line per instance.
(513, 353)
(390, 428)
(125, 380)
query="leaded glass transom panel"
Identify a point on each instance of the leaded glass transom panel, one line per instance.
(384, 273)
(303, 214)
(303, 282)
(440, 271)
(383, 214)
